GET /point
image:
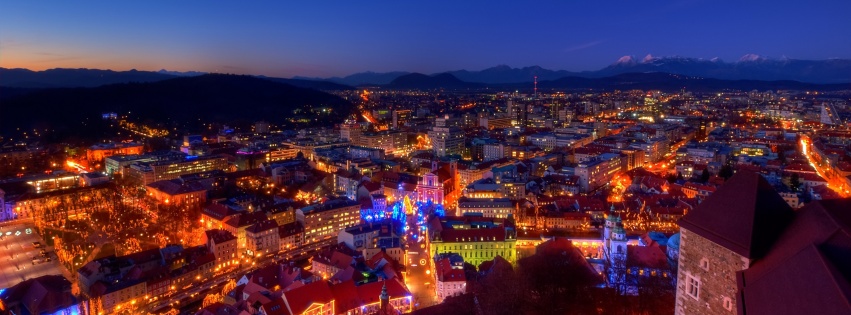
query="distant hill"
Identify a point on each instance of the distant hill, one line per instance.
(425, 82)
(504, 74)
(183, 102)
(364, 78)
(311, 84)
(70, 78)
(24, 78)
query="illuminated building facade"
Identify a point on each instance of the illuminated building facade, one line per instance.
(476, 239)
(323, 221)
(99, 152)
(487, 207)
(148, 172)
(595, 173)
(447, 140)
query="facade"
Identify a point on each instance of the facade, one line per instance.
(430, 189)
(449, 277)
(447, 140)
(325, 220)
(595, 173)
(177, 192)
(476, 239)
(262, 238)
(99, 152)
(487, 207)
(148, 172)
(223, 246)
(290, 236)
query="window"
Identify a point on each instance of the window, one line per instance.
(704, 264)
(728, 303)
(693, 286)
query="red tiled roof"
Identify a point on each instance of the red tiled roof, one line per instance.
(652, 257)
(300, 299)
(370, 292)
(345, 297)
(485, 234)
(446, 273)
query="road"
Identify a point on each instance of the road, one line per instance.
(835, 182)
(17, 253)
(419, 279)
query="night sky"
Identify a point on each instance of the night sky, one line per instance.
(332, 38)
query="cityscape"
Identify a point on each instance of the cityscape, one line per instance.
(635, 185)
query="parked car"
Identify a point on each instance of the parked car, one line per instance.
(38, 245)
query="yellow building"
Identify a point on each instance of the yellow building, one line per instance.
(476, 239)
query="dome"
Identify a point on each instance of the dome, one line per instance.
(674, 241)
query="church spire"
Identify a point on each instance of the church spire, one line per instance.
(385, 299)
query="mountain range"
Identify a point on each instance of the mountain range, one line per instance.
(626, 81)
(741, 74)
(749, 67)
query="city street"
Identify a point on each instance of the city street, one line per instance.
(16, 260)
(419, 279)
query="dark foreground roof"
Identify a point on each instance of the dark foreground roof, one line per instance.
(808, 269)
(745, 215)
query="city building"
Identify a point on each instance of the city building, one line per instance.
(476, 239)
(49, 294)
(148, 172)
(500, 208)
(97, 153)
(262, 238)
(323, 221)
(449, 277)
(223, 246)
(178, 192)
(447, 140)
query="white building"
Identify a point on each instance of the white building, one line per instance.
(446, 140)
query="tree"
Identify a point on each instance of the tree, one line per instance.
(671, 178)
(795, 182)
(704, 176)
(680, 176)
(726, 171)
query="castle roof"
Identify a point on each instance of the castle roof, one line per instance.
(807, 270)
(745, 215)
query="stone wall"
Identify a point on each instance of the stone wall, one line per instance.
(717, 275)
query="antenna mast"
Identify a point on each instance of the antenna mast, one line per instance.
(536, 87)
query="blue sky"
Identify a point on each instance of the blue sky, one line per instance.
(330, 38)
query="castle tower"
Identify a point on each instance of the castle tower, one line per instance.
(722, 236)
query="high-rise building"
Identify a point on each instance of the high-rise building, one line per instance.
(447, 140)
(351, 132)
